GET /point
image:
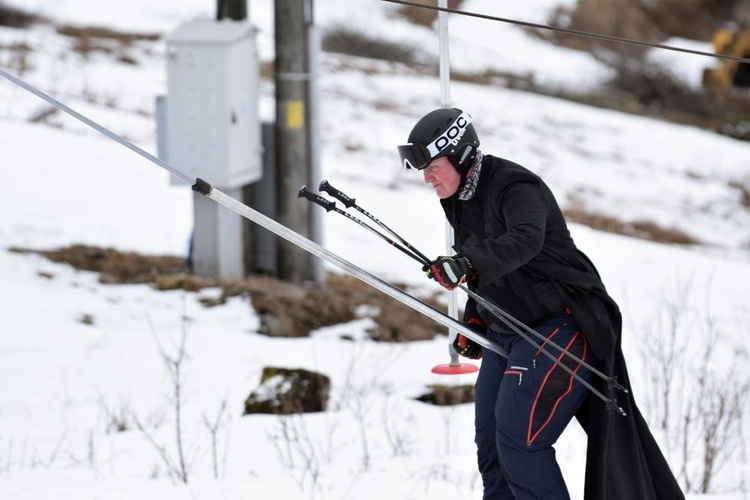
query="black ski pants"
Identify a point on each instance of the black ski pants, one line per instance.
(522, 406)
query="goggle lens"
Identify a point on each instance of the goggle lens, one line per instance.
(413, 156)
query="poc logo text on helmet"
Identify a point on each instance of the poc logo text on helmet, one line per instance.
(451, 136)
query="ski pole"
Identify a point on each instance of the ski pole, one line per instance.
(352, 203)
(331, 206)
(498, 312)
(204, 188)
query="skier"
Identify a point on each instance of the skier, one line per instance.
(513, 248)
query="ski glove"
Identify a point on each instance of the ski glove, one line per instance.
(450, 272)
(467, 347)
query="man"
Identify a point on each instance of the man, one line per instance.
(514, 249)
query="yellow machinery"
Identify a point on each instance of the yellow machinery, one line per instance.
(729, 73)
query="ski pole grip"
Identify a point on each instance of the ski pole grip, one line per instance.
(348, 202)
(306, 193)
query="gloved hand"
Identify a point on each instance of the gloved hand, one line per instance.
(450, 272)
(467, 347)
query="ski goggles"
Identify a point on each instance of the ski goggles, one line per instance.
(418, 156)
(414, 156)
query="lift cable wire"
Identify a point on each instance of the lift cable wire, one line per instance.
(588, 34)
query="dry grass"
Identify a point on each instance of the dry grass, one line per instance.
(19, 57)
(114, 266)
(646, 230)
(285, 309)
(500, 78)
(744, 192)
(43, 115)
(349, 42)
(88, 40)
(106, 34)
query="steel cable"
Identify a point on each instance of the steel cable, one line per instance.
(588, 34)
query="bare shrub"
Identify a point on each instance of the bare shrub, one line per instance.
(716, 412)
(176, 464)
(697, 397)
(357, 397)
(297, 451)
(360, 393)
(214, 426)
(43, 114)
(19, 57)
(117, 418)
(398, 428)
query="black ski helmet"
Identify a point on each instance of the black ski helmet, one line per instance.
(442, 132)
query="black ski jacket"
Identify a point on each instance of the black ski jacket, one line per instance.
(514, 234)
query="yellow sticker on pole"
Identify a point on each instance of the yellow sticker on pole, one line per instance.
(295, 115)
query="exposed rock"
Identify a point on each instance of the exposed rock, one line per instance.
(284, 391)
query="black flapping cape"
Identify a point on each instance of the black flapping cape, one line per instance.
(623, 460)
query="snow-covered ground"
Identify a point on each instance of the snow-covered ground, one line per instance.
(64, 384)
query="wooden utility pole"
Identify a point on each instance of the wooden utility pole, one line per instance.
(232, 9)
(293, 159)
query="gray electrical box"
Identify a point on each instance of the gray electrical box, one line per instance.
(212, 126)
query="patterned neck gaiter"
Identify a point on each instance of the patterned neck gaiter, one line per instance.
(472, 178)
